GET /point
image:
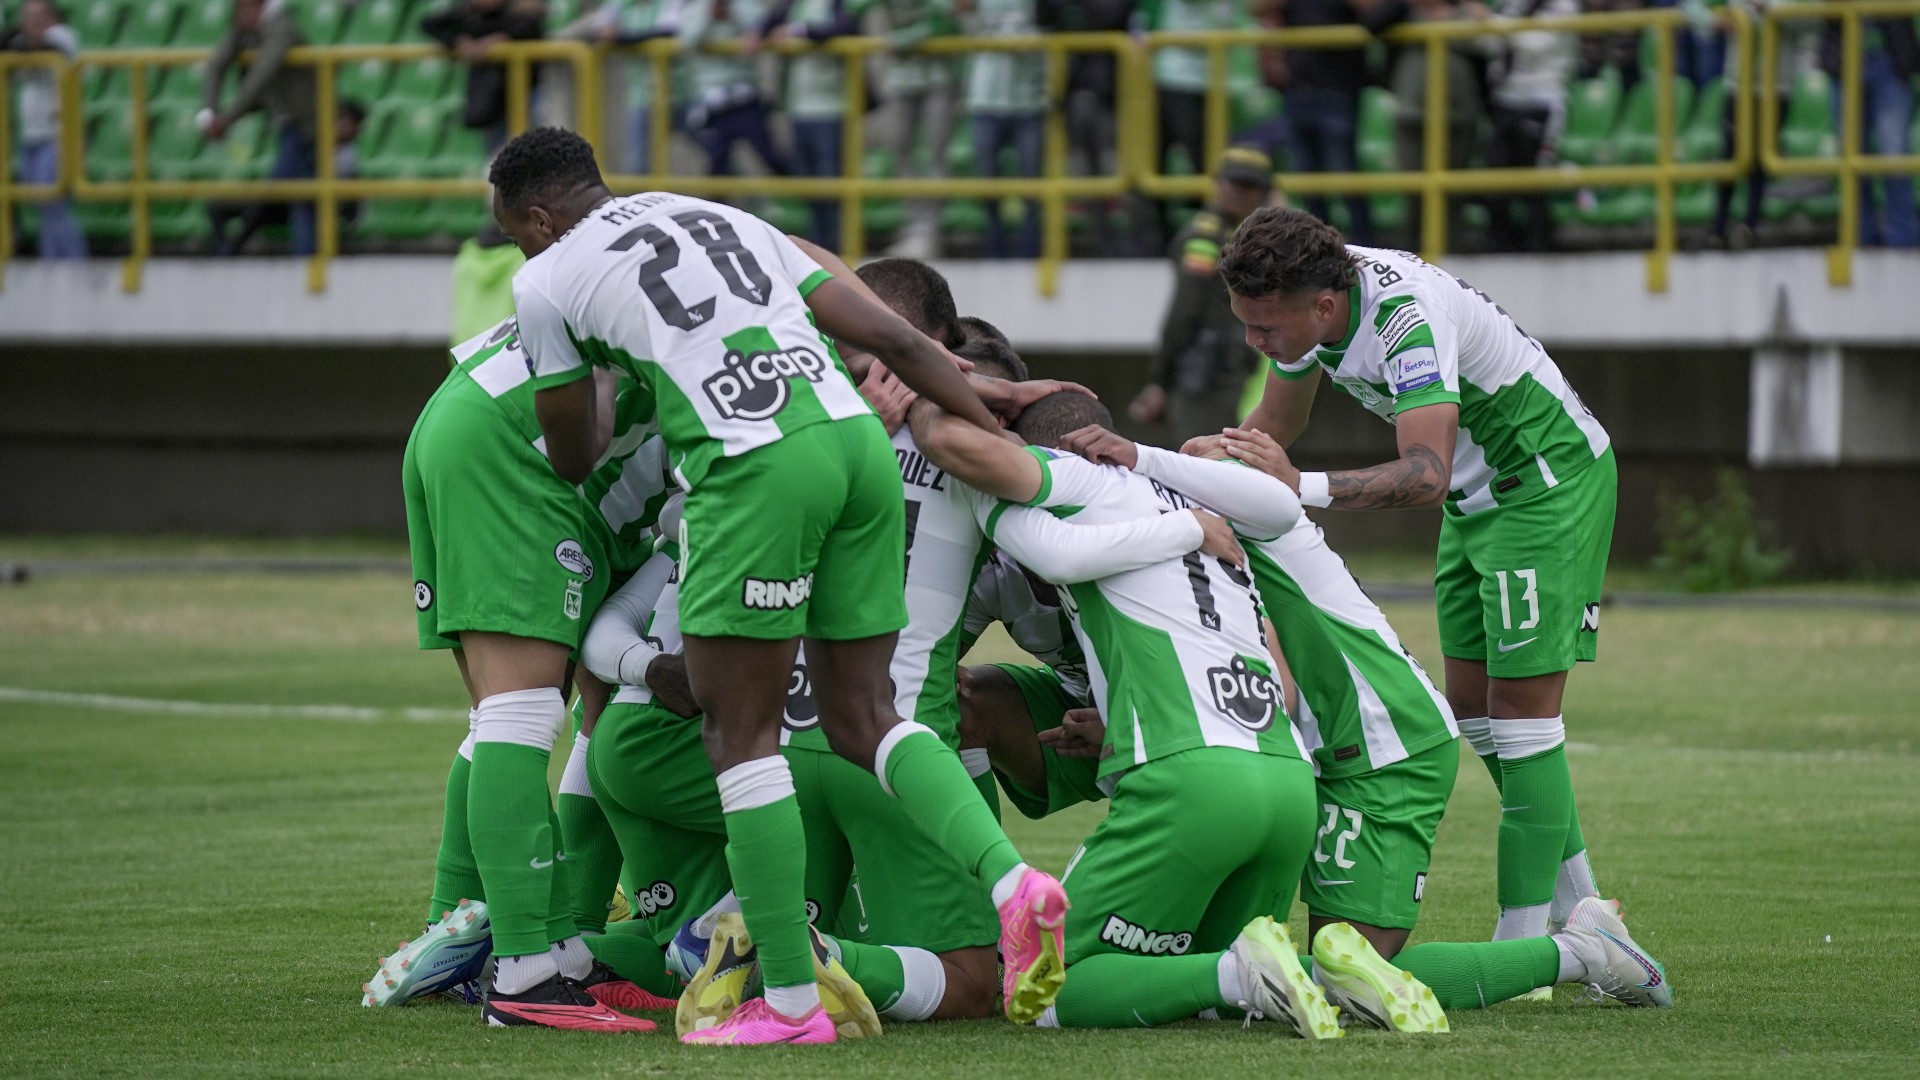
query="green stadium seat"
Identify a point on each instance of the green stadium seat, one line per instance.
(1636, 141)
(178, 222)
(1373, 148)
(375, 22)
(245, 154)
(410, 133)
(108, 153)
(459, 218)
(559, 12)
(1593, 108)
(105, 222)
(788, 215)
(409, 30)
(97, 22)
(323, 21)
(464, 152)
(1702, 139)
(365, 81)
(104, 84)
(173, 139)
(882, 216)
(1806, 131)
(967, 216)
(150, 24)
(429, 80)
(203, 23)
(395, 219)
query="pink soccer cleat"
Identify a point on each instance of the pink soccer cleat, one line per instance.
(755, 1024)
(1033, 946)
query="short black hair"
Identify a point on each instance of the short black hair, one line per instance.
(995, 359)
(976, 327)
(541, 165)
(1285, 252)
(920, 295)
(1054, 417)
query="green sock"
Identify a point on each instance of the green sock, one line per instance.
(936, 792)
(560, 887)
(1114, 990)
(1576, 842)
(1536, 799)
(1492, 762)
(1475, 974)
(990, 792)
(767, 853)
(630, 951)
(593, 859)
(877, 969)
(510, 824)
(455, 878)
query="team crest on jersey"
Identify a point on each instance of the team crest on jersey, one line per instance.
(1362, 391)
(1122, 934)
(570, 602)
(753, 386)
(422, 595)
(1246, 694)
(573, 558)
(762, 595)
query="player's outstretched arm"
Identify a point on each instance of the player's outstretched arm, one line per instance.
(1063, 553)
(986, 460)
(917, 359)
(1420, 476)
(614, 648)
(1255, 499)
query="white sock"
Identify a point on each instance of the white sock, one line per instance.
(976, 760)
(1048, 1019)
(572, 957)
(1571, 969)
(1478, 731)
(794, 1002)
(530, 718)
(706, 924)
(518, 974)
(753, 784)
(1207, 1014)
(1522, 922)
(924, 986)
(573, 781)
(1229, 975)
(1009, 882)
(1574, 884)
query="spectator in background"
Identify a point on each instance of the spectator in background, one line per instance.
(1321, 92)
(922, 88)
(1890, 58)
(36, 90)
(1798, 52)
(726, 104)
(816, 98)
(1466, 100)
(283, 89)
(470, 28)
(248, 218)
(1007, 101)
(1204, 360)
(1180, 79)
(1093, 87)
(630, 22)
(1528, 109)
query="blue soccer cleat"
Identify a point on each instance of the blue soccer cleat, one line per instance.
(451, 952)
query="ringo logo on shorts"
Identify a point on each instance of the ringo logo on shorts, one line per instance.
(1122, 934)
(571, 556)
(1248, 695)
(753, 386)
(776, 595)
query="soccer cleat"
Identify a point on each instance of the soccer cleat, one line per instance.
(1358, 980)
(686, 952)
(1615, 966)
(720, 984)
(1535, 996)
(618, 910)
(452, 951)
(1275, 987)
(843, 999)
(605, 986)
(755, 1024)
(1032, 946)
(558, 1002)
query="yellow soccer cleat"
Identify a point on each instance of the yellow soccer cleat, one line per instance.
(1365, 986)
(720, 984)
(1275, 987)
(843, 999)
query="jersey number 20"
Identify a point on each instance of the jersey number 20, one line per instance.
(741, 271)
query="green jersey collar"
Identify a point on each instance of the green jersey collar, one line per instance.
(1353, 321)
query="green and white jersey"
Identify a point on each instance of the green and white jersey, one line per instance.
(1175, 650)
(1006, 594)
(496, 359)
(1365, 702)
(1005, 82)
(1181, 67)
(662, 626)
(944, 552)
(632, 481)
(704, 304)
(1420, 336)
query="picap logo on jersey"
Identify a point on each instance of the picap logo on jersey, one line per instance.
(753, 386)
(657, 898)
(1590, 619)
(422, 595)
(765, 595)
(1245, 693)
(569, 554)
(813, 912)
(1122, 934)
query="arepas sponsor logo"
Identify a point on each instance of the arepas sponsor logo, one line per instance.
(776, 595)
(1249, 696)
(1122, 934)
(655, 898)
(571, 556)
(753, 386)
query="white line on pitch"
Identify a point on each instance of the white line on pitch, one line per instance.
(208, 708)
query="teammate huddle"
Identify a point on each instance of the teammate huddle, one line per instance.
(700, 442)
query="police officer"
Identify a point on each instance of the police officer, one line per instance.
(1204, 361)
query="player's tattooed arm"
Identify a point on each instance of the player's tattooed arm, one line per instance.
(667, 678)
(1421, 475)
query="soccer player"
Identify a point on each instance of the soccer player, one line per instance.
(1490, 430)
(506, 568)
(1212, 798)
(794, 525)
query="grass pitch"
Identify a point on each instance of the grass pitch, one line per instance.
(200, 893)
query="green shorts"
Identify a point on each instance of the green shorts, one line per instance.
(1518, 586)
(1194, 847)
(805, 536)
(1070, 780)
(1375, 839)
(911, 892)
(652, 778)
(499, 542)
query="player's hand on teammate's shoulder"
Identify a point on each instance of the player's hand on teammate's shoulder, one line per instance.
(667, 678)
(1211, 447)
(1080, 734)
(1102, 447)
(1007, 399)
(1218, 539)
(1257, 448)
(889, 397)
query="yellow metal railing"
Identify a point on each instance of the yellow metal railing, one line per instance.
(1137, 140)
(1851, 165)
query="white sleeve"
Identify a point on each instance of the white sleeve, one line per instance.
(981, 601)
(1063, 554)
(614, 649)
(1250, 497)
(551, 356)
(799, 267)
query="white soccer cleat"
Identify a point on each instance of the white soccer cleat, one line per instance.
(1615, 966)
(1273, 985)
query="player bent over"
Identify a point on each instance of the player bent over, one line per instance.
(793, 526)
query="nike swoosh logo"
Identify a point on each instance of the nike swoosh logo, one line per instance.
(1323, 882)
(1511, 809)
(1506, 648)
(538, 865)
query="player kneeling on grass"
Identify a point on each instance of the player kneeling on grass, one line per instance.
(1212, 797)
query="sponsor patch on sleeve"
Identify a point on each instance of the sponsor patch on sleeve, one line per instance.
(1399, 323)
(1412, 370)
